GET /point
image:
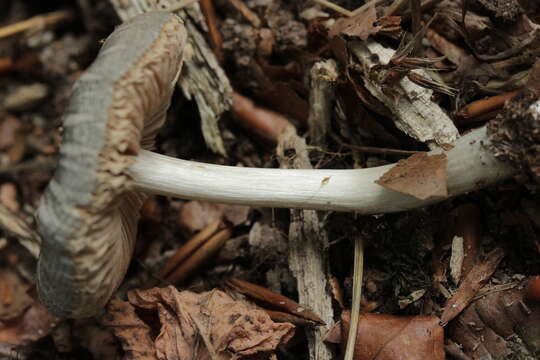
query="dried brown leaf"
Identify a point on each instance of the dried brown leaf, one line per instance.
(484, 328)
(475, 279)
(14, 298)
(389, 337)
(132, 332)
(421, 175)
(207, 325)
(24, 319)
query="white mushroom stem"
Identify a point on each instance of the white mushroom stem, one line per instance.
(470, 166)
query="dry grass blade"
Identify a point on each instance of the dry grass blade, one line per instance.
(357, 295)
(334, 7)
(38, 21)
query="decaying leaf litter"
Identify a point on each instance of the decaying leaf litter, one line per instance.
(368, 84)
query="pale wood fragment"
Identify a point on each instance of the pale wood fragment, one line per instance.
(308, 259)
(415, 113)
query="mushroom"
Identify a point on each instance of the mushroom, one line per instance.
(89, 211)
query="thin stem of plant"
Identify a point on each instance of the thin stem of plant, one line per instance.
(357, 296)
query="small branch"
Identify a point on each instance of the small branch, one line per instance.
(246, 12)
(366, 5)
(189, 248)
(335, 7)
(37, 22)
(484, 106)
(376, 150)
(264, 123)
(216, 40)
(396, 7)
(199, 257)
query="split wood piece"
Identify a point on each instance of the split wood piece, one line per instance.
(323, 77)
(189, 248)
(199, 257)
(264, 123)
(37, 22)
(272, 299)
(415, 113)
(202, 79)
(308, 264)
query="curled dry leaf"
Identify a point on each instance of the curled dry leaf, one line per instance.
(133, 333)
(389, 337)
(475, 279)
(197, 326)
(421, 175)
(488, 328)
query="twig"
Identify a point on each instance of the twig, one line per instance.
(453, 53)
(199, 257)
(216, 40)
(396, 6)
(275, 300)
(39, 21)
(323, 77)
(335, 7)
(375, 150)
(265, 123)
(246, 12)
(366, 5)
(416, 20)
(357, 295)
(484, 106)
(192, 245)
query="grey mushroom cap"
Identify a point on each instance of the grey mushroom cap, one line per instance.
(89, 212)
